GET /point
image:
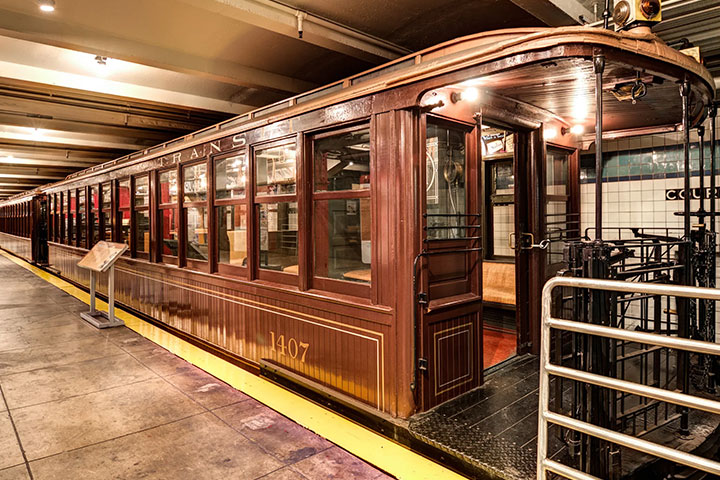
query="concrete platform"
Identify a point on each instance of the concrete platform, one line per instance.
(77, 402)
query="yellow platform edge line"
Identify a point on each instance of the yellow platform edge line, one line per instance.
(375, 449)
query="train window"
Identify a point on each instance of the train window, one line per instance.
(142, 191)
(72, 217)
(123, 202)
(231, 213)
(195, 183)
(275, 170)
(197, 234)
(342, 239)
(168, 193)
(94, 214)
(278, 236)
(232, 234)
(168, 187)
(195, 208)
(70, 208)
(231, 177)
(106, 224)
(141, 216)
(445, 196)
(81, 218)
(342, 161)
(341, 211)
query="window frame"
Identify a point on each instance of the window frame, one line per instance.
(133, 222)
(108, 210)
(161, 207)
(241, 271)
(192, 263)
(71, 227)
(118, 212)
(334, 285)
(276, 276)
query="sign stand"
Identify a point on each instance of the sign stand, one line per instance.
(100, 259)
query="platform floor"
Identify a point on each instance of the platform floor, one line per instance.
(76, 402)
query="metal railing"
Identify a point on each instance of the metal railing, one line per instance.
(545, 416)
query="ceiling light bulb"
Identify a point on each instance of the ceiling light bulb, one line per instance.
(550, 133)
(470, 94)
(577, 130)
(47, 5)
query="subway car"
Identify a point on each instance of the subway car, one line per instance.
(381, 241)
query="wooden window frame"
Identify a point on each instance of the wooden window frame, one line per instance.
(108, 210)
(161, 207)
(194, 264)
(285, 278)
(133, 223)
(72, 214)
(343, 287)
(118, 212)
(224, 268)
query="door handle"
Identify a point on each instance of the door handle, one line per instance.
(527, 242)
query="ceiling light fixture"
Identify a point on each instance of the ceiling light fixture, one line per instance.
(47, 5)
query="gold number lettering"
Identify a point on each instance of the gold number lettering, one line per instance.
(306, 346)
(281, 344)
(292, 346)
(292, 351)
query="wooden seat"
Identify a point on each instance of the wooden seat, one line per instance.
(499, 283)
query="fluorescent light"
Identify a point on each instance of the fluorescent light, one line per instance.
(47, 5)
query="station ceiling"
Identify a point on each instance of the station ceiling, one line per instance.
(96, 79)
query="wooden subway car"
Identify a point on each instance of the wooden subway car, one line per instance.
(340, 237)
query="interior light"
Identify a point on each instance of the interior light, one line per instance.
(577, 129)
(550, 133)
(470, 94)
(47, 5)
(101, 60)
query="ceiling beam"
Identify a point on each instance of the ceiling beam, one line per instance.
(24, 185)
(96, 42)
(81, 155)
(32, 162)
(31, 175)
(557, 13)
(285, 20)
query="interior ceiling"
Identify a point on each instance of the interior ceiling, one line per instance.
(175, 66)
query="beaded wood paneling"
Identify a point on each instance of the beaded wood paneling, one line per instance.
(20, 246)
(337, 345)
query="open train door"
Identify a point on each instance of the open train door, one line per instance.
(547, 215)
(39, 230)
(449, 268)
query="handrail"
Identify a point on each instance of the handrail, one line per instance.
(544, 464)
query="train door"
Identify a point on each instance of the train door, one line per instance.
(39, 230)
(547, 215)
(499, 159)
(449, 267)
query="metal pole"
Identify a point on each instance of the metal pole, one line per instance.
(544, 389)
(606, 15)
(92, 292)
(712, 114)
(111, 294)
(599, 67)
(701, 136)
(685, 93)
(683, 361)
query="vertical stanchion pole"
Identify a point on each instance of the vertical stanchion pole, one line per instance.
(712, 115)
(685, 92)
(93, 281)
(684, 318)
(111, 294)
(544, 388)
(599, 68)
(701, 137)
